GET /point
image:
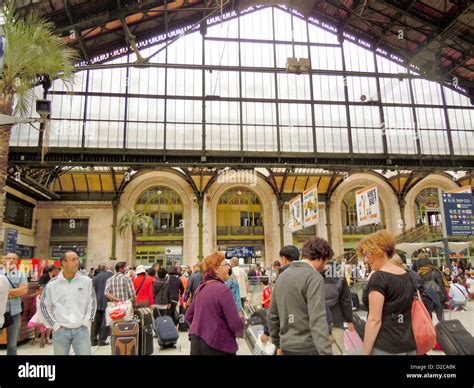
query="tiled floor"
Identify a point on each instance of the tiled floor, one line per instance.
(183, 348)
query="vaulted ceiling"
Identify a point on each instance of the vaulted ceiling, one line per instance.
(437, 35)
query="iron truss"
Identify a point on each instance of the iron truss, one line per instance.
(183, 158)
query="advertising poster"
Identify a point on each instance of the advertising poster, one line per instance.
(296, 214)
(367, 202)
(310, 206)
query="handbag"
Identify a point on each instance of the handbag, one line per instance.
(118, 312)
(352, 343)
(422, 325)
(8, 320)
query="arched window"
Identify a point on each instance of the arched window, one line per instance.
(349, 216)
(164, 206)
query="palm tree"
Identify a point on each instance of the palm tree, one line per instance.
(32, 52)
(135, 222)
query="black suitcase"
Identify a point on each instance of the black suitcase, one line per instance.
(166, 332)
(454, 339)
(355, 301)
(125, 338)
(359, 325)
(182, 324)
(146, 327)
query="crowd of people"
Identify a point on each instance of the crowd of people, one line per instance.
(307, 308)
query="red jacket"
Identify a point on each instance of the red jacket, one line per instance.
(146, 291)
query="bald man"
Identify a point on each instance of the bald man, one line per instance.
(68, 304)
(18, 287)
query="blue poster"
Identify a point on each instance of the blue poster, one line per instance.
(11, 240)
(240, 252)
(458, 215)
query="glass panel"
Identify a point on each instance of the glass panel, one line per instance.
(426, 92)
(328, 88)
(100, 134)
(453, 98)
(105, 108)
(107, 80)
(221, 53)
(145, 135)
(184, 82)
(149, 109)
(222, 83)
(429, 118)
(385, 65)
(462, 142)
(257, 55)
(366, 129)
(326, 58)
(147, 81)
(184, 124)
(318, 35)
(461, 118)
(65, 133)
(228, 29)
(257, 25)
(293, 86)
(258, 85)
(395, 90)
(331, 128)
(400, 130)
(362, 86)
(358, 58)
(24, 135)
(67, 107)
(296, 127)
(259, 127)
(186, 50)
(434, 142)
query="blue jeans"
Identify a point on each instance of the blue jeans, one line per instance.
(13, 331)
(455, 305)
(78, 338)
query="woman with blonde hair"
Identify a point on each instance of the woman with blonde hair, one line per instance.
(214, 322)
(389, 297)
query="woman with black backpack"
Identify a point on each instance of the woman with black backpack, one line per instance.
(161, 294)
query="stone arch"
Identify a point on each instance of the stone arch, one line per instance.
(431, 181)
(387, 197)
(172, 180)
(270, 216)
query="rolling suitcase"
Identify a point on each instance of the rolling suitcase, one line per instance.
(454, 339)
(166, 332)
(125, 338)
(146, 327)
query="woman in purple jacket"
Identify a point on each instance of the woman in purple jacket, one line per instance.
(213, 317)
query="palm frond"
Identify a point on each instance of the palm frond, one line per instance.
(32, 50)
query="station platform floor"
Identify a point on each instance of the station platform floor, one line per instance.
(183, 346)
